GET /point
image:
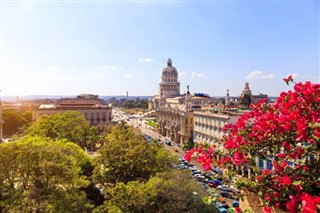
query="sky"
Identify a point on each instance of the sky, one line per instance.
(111, 47)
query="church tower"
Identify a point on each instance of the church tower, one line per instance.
(169, 85)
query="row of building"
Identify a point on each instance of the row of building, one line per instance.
(183, 118)
(91, 106)
(197, 117)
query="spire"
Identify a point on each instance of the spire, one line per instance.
(188, 104)
(227, 99)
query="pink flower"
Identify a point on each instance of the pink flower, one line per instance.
(267, 209)
(287, 146)
(288, 79)
(282, 155)
(239, 158)
(285, 181)
(308, 204)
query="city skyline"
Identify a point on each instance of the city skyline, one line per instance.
(109, 48)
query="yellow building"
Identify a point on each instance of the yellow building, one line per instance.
(90, 106)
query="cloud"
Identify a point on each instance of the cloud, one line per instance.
(109, 67)
(182, 74)
(128, 75)
(53, 67)
(97, 75)
(146, 60)
(257, 74)
(270, 76)
(197, 75)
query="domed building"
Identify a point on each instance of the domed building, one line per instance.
(174, 110)
(169, 85)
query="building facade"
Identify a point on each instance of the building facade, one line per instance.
(208, 125)
(174, 111)
(175, 119)
(90, 106)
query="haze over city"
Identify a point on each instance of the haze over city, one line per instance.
(110, 47)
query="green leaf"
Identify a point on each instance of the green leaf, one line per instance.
(297, 182)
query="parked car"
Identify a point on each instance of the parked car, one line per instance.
(231, 210)
(196, 172)
(226, 194)
(235, 203)
(181, 166)
(217, 170)
(229, 189)
(212, 184)
(168, 143)
(217, 182)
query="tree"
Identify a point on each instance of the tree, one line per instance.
(38, 175)
(175, 191)
(130, 197)
(70, 125)
(15, 122)
(125, 156)
(172, 191)
(135, 104)
(286, 132)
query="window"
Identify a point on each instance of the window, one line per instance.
(261, 163)
(269, 164)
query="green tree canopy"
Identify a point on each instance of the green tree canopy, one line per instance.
(135, 104)
(15, 122)
(38, 175)
(70, 125)
(175, 191)
(125, 156)
(172, 191)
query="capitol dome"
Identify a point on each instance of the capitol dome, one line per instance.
(169, 85)
(169, 70)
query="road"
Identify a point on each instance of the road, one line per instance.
(173, 149)
(145, 129)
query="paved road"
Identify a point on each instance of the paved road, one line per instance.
(173, 149)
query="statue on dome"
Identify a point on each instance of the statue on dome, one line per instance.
(169, 62)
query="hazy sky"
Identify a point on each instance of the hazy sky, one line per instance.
(110, 47)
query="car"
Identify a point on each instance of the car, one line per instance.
(194, 168)
(196, 172)
(181, 166)
(217, 182)
(212, 184)
(231, 210)
(235, 203)
(223, 210)
(168, 143)
(199, 175)
(202, 179)
(229, 189)
(217, 170)
(226, 194)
